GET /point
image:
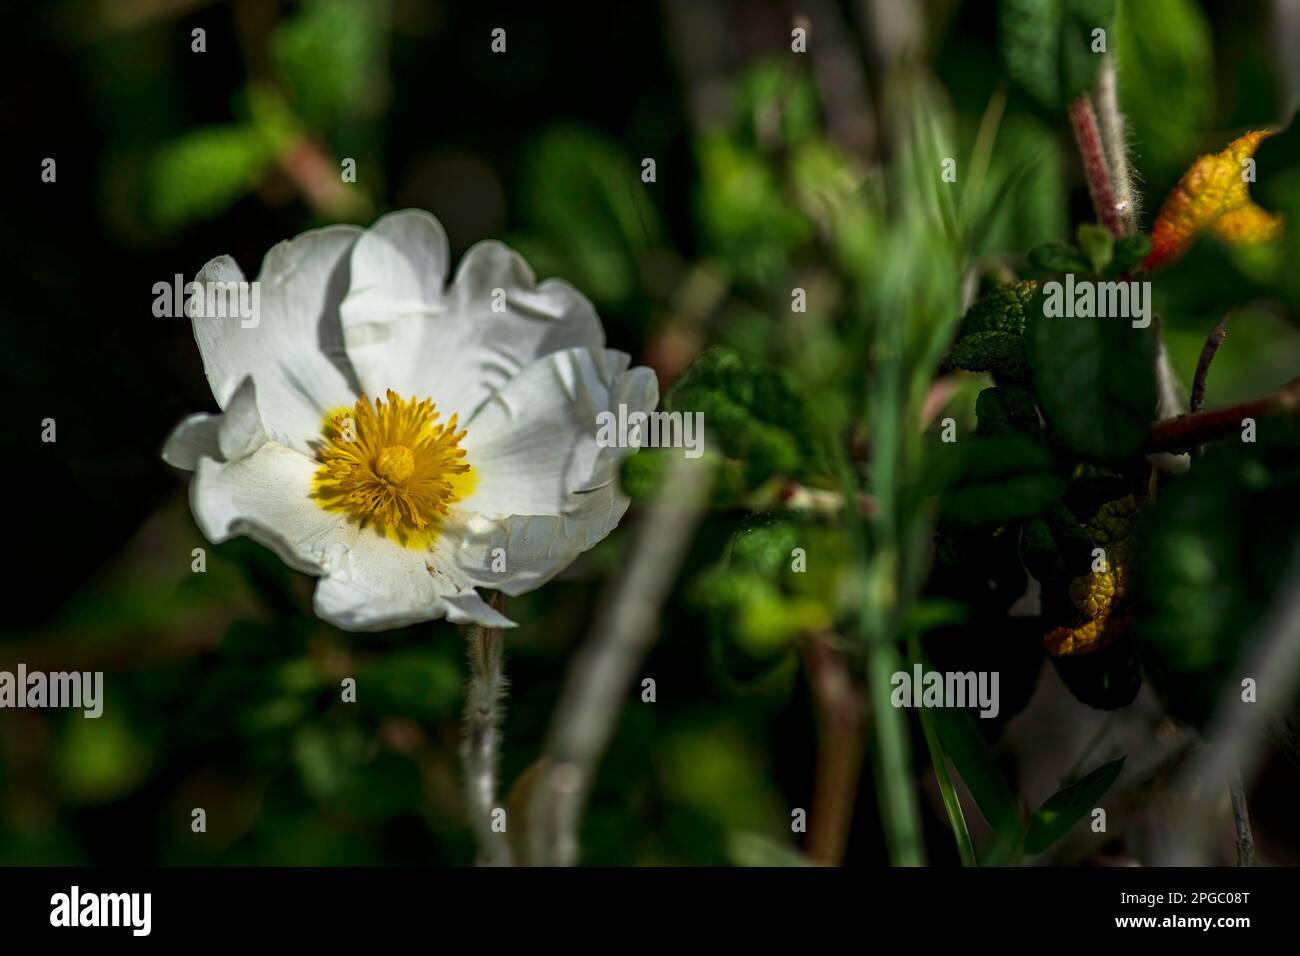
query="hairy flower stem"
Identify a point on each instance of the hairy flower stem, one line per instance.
(1095, 168)
(1115, 140)
(481, 743)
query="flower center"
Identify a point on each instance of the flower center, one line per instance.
(396, 464)
(392, 463)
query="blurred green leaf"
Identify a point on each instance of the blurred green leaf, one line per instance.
(202, 173)
(1098, 244)
(1164, 53)
(1061, 811)
(1047, 45)
(328, 56)
(1129, 253)
(745, 215)
(1055, 258)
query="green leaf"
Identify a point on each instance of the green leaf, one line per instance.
(1165, 58)
(1047, 45)
(1000, 352)
(328, 55)
(1095, 379)
(205, 171)
(1065, 808)
(1055, 258)
(1002, 479)
(1006, 411)
(1129, 253)
(1055, 548)
(966, 747)
(1002, 310)
(1098, 244)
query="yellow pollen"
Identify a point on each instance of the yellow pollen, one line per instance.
(396, 464)
(392, 465)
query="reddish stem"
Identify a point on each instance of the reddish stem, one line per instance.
(1188, 431)
(1084, 121)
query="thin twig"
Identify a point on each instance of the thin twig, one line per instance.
(1241, 814)
(1095, 168)
(1187, 431)
(1212, 343)
(481, 743)
(1237, 731)
(596, 686)
(839, 750)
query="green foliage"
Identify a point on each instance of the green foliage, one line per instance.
(1061, 811)
(1002, 479)
(757, 598)
(1006, 411)
(203, 172)
(1047, 45)
(1095, 380)
(751, 411)
(327, 56)
(590, 215)
(1208, 565)
(744, 213)
(1098, 244)
(1164, 53)
(965, 745)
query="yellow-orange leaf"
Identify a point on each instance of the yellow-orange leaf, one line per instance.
(1213, 195)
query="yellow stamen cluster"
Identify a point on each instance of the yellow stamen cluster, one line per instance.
(392, 463)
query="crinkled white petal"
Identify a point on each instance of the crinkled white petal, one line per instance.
(456, 345)
(194, 438)
(546, 491)
(374, 584)
(294, 351)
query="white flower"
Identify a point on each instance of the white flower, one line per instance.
(388, 433)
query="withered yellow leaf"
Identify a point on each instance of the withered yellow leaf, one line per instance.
(1213, 195)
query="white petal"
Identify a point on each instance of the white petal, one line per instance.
(194, 438)
(546, 491)
(226, 437)
(374, 584)
(266, 496)
(533, 445)
(294, 350)
(535, 548)
(404, 331)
